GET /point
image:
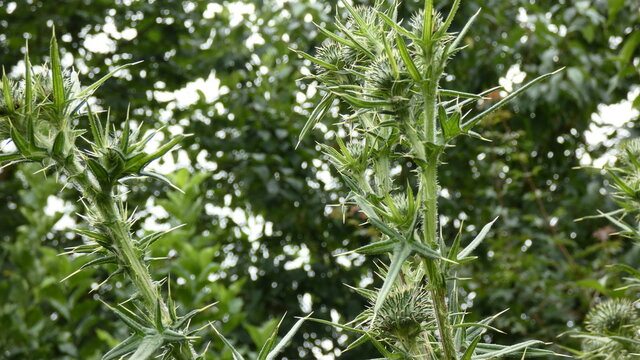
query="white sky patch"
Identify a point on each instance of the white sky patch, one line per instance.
(252, 226)
(189, 95)
(100, 43)
(212, 10)
(610, 120)
(253, 40)
(155, 212)
(306, 303)
(302, 259)
(57, 205)
(514, 76)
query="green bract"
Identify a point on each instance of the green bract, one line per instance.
(397, 114)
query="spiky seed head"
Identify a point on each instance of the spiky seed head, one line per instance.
(613, 317)
(330, 52)
(383, 82)
(416, 23)
(356, 149)
(629, 150)
(401, 203)
(369, 17)
(404, 313)
(380, 76)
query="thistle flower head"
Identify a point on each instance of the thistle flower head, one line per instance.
(384, 82)
(330, 52)
(356, 149)
(369, 18)
(629, 151)
(404, 313)
(613, 317)
(417, 22)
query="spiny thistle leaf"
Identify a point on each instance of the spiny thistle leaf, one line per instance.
(127, 346)
(235, 353)
(469, 124)
(400, 254)
(56, 75)
(476, 241)
(147, 347)
(277, 349)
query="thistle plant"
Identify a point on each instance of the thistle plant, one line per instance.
(398, 114)
(612, 326)
(39, 114)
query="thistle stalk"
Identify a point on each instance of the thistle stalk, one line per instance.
(389, 76)
(38, 114)
(437, 281)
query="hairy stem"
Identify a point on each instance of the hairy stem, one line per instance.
(437, 280)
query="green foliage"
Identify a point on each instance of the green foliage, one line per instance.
(247, 138)
(612, 327)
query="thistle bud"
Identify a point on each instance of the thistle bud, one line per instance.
(613, 317)
(629, 151)
(404, 313)
(384, 83)
(417, 23)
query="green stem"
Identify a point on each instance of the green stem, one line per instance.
(437, 280)
(430, 90)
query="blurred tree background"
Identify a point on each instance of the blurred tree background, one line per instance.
(261, 230)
